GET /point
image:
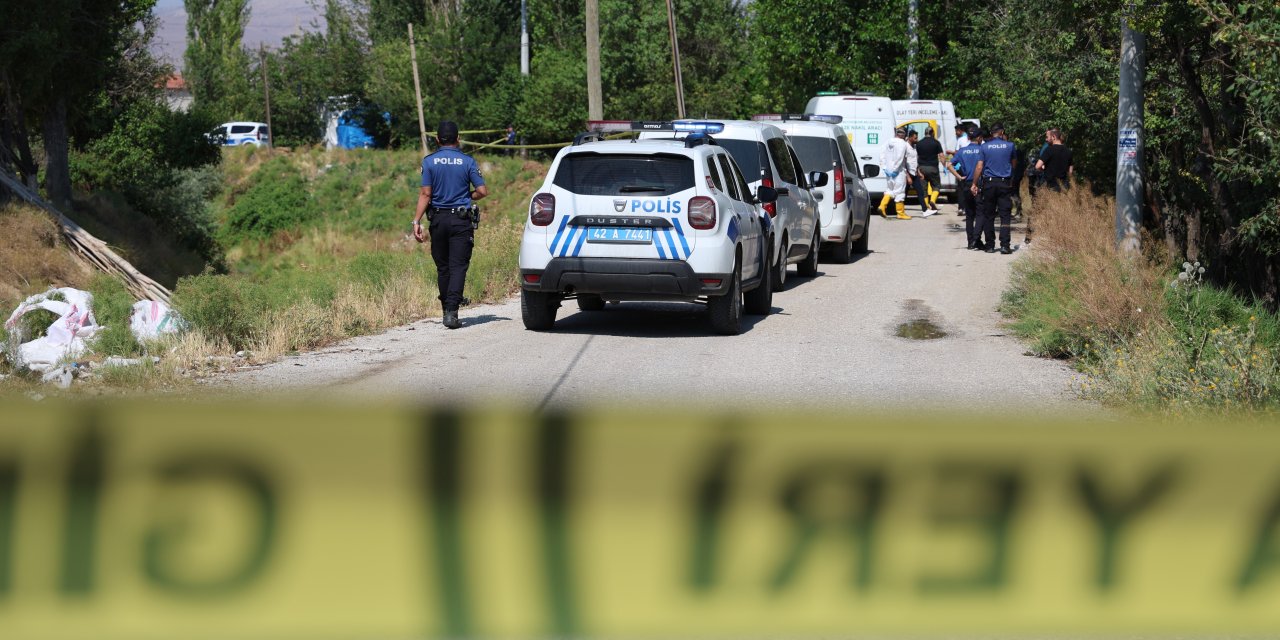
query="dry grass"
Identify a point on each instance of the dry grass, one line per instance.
(33, 256)
(1077, 285)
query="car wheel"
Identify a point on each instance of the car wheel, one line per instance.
(843, 252)
(860, 245)
(778, 273)
(538, 309)
(759, 301)
(726, 310)
(590, 302)
(809, 268)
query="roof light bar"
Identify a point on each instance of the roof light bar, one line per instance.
(808, 117)
(617, 126)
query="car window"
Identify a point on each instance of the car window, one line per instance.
(781, 160)
(596, 174)
(847, 155)
(264, 131)
(803, 179)
(747, 196)
(241, 128)
(714, 173)
(816, 154)
(748, 154)
(734, 191)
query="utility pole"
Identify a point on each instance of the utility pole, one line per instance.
(266, 88)
(913, 46)
(1129, 143)
(675, 59)
(595, 102)
(417, 91)
(524, 37)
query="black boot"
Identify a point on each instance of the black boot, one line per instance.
(451, 320)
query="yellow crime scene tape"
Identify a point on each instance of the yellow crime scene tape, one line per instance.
(149, 520)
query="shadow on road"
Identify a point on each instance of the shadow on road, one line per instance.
(646, 320)
(481, 319)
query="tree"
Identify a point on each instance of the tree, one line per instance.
(217, 66)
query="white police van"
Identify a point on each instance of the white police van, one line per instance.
(619, 220)
(235, 134)
(821, 145)
(867, 120)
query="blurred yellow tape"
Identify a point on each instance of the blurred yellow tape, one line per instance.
(193, 521)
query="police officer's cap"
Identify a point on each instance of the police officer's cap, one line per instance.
(447, 133)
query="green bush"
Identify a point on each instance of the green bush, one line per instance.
(112, 307)
(230, 308)
(277, 200)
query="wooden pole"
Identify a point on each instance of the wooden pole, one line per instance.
(417, 91)
(595, 101)
(675, 59)
(266, 87)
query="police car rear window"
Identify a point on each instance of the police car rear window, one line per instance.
(746, 153)
(598, 174)
(816, 154)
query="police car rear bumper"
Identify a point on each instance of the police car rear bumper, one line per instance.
(624, 279)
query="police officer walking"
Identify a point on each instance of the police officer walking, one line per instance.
(996, 170)
(964, 169)
(451, 183)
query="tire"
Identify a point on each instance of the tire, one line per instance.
(759, 301)
(538, 309)
(860, 245)
(590, 302)
(843, 252)
(726, 310)
(809, 268)
(778, 273)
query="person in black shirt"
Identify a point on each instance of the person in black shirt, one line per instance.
(928, 153)
(1055, 163)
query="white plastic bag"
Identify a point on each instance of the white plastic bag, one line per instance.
(152, 319)
(63, 339)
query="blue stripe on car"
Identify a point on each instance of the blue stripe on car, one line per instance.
(563, 223)
(578, 247)
(680, 232)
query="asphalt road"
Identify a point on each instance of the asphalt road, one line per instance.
(830, 343)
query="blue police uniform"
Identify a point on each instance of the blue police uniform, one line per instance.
(998, 159)
(966, 163)
(452, 175)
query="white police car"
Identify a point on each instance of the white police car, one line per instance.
(668, 219)
(235, 134)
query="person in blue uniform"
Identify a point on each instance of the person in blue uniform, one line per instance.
(999, 157)
(451, 183)
(965, 163)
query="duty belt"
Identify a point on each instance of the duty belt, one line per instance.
(461, 211)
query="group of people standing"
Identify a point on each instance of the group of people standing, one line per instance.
(989, 169)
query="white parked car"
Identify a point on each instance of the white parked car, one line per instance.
(767, 160)
(845, 204)
(671, 219)
(234, 134)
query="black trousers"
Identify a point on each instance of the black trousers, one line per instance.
(969, 207)
(997, 198)
(452, 239)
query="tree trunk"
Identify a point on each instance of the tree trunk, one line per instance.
(57, 171)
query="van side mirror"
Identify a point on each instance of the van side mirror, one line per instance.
(871, 170)
(818, 178)
(766, 194)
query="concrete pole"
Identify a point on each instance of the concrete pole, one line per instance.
(417, 92)
(524, 37)
(675, 59)
(595, 102)
(1129, 141)
(913, 46)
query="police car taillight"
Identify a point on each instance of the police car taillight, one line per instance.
(543, 209)
(702, 212)
(770, 208)
(839, 185)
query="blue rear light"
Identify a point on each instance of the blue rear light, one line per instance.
(698, 127)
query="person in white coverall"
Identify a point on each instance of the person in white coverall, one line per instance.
(897, 163)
